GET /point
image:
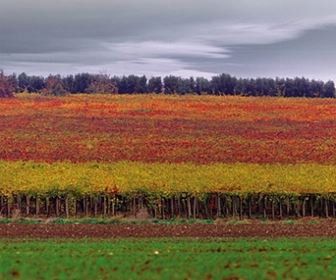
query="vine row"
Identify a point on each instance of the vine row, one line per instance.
(184, 205)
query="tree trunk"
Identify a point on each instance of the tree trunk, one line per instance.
(189, 207)
(326, 208)
(8, 206)
(172, 207)
(27, 204)
(264, 207)
(57, 206)
(47, 206)
(195, 208)
(37, 205)
(66, 207)
(219, 208)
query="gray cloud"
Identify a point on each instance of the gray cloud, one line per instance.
(185, 37)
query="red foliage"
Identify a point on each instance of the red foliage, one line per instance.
(168, 129)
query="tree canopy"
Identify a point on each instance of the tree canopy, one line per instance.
(222, 84)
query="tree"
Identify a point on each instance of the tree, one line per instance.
(12, 79)
(191, 85)
(6, 87)
(69, 83)
(280, 87)
(129, 84)
(123, 85)
(155, 85)
(329, 89)
(202, 85)
(36, 84)
(23, 82)
(102, 84)
(223, 84)
(316, 88)
(81, 82)
(54, 86)
(170, 84)
(141, 85)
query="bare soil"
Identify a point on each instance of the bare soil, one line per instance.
(322, 228)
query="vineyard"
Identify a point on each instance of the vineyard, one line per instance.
(185, 156)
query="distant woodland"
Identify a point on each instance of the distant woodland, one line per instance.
(223, 84)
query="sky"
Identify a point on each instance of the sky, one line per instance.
(246, 38)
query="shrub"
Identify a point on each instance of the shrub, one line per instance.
(54, 86)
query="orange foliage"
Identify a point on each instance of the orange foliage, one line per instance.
(161, 128)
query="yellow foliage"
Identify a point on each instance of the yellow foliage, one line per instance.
(165, 178)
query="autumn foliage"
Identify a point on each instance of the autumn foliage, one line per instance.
(165, 179)
(200, 156)
(168, 129)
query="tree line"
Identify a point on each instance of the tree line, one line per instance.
(223, 84)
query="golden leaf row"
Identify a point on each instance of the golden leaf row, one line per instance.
(165, 178)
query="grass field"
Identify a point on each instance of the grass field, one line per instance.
(168, 259)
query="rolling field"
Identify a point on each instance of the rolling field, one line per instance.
(190, 155)
(196, 164)
(168, 259)
(173, 129)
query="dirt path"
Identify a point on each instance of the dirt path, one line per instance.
(325, 228)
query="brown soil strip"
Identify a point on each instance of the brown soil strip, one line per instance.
(138, 231)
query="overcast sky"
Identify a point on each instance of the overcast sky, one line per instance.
(158, 37)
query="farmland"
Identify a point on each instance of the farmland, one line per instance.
(179, 139)
(178, 155)
(174, 129)
(168, 259)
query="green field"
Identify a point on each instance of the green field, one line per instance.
(168, 259)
